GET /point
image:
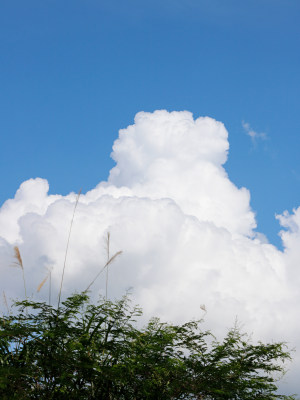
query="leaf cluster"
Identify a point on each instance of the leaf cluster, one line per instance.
(96, 351)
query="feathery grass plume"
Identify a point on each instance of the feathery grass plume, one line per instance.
(66, 253)
(105, 266)
(203, 308)
(19, 263)
(48, 276)
(18, 257)
(42, 283)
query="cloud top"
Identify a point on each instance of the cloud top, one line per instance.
(171, 155)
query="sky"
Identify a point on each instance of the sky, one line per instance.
(178, 120)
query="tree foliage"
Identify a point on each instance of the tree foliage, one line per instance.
(96, 351)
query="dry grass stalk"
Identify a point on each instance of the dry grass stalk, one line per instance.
(19, 263)
(50, 287)
(107, 252)
(67, 248)
(5, 302)
(105, 266)
(113, 258)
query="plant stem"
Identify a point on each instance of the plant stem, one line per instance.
(107, 249)
(66, 253)
(50, 288)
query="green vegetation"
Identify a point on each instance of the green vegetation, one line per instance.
(96, 351)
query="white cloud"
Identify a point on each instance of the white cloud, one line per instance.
(186, 231)
(253, 134)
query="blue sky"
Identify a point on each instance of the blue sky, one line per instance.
(75, 72)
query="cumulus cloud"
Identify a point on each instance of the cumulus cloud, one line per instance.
(187, 234)
(253, 134)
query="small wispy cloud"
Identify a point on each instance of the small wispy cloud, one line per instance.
(253, 134)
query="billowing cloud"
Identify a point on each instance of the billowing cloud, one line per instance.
(187, 234)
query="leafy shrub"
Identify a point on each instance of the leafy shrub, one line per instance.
(96, 351)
